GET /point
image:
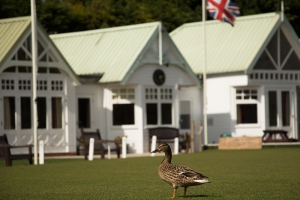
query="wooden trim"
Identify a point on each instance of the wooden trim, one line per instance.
(60, 154)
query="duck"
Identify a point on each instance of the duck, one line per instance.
(176, 175)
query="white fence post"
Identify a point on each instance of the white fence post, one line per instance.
(124, 147)
(108, 152)
(200, 136)
(153, 145)
(91, 149)
(176, 145)
(41, 152)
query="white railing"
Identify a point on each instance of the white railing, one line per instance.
(275, 76)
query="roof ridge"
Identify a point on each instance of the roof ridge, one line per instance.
(5, 20)
(238, 19)
(254, 16)
(104, 30)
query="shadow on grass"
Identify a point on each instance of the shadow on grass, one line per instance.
(201, 195)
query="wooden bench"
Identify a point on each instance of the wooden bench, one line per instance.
(270, 136)
(163, 134)
(100, 146)
(5, 153)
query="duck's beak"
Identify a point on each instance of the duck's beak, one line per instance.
(156, 150)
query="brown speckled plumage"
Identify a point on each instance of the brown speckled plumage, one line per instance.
(175, 175)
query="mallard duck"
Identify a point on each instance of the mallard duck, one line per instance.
(175, 175)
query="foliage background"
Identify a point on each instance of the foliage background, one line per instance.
(60, 16)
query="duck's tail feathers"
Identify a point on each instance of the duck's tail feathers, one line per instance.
(202, 181)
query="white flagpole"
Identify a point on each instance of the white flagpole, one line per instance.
(282, 10)
(160, 43)
(204, 72)
(34, 73)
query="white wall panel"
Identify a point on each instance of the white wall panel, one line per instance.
(219, 105)
(174, 75)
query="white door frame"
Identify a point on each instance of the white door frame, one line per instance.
(292, 129)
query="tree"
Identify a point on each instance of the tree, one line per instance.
(77, 15)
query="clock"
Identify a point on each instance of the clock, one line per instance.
(159, 77)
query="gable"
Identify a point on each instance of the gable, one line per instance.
(160, 51)
(109, 51)
(24, 51)
(152, 50)
(11, 31)
(117, 52)
(278, 55)
(18, 57)
(228, 49)
(250, 45)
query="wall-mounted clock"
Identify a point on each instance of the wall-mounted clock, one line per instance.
(159, 77)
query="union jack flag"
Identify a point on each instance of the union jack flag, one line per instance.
(223, 10)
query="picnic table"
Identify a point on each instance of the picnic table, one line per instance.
(270, 136)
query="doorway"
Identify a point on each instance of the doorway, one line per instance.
(281, 110)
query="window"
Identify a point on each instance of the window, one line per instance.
(247, 113)
(123, 114)
(166, 113)
(247, 106)
(272, 108)
(279, 108)
(9, 108)
(7, 84)
(151, 110)
(42, 70)
(22, 69)
(53, 70)
(123, 100)
(56, 85)
(56, 112)
(25, 113)
(159, 103)
(84, 113)
(42, 112)
(41, 85)
(166, 93)
(285, 105)
(24, 85)
(10, 69)
(124, 93)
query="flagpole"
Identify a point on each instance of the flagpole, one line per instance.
(282, 10)
(34, 72)
(204, 71)
(160, 43)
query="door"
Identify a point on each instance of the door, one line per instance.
(185, 115)
(85, 113)
(280, 110)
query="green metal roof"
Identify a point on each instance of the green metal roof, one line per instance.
(228, 49)
(10, 32)
(109, 51)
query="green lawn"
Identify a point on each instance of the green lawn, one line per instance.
(245, 174)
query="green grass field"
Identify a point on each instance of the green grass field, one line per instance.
(245, 174)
